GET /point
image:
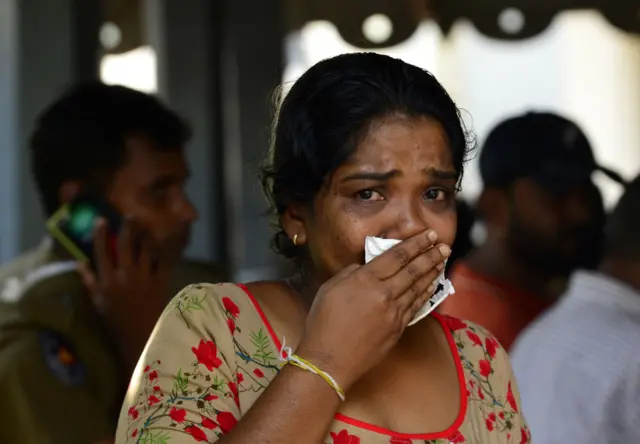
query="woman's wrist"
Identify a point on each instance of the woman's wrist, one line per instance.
(326, 362)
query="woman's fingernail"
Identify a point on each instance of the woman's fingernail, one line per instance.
(433, 236)
(440, 266)
(444, 250)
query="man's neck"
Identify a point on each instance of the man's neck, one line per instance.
(492, 259)
(624, 271)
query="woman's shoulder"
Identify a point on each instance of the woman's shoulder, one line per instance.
(476, 344)
(212, 292)
(208, 359)
(218, 300)
(222, 311)
(467, 331)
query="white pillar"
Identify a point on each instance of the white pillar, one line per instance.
(252, 66)
(185, 36)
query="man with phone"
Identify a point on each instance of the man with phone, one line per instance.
(75, 314)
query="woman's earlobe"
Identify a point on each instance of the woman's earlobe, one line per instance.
(293, 223)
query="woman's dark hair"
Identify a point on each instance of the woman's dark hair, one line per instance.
(463, 243)
(327, 112)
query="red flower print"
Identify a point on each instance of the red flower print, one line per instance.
(231, 307)
(153, 375)
(147, 368)
(492, 346)
(156, 388)
(178, 415)
(206, 353)
(474, 338)
(501, 415)
(227, 421)
(524, 436)
(134, 433)
(457, 438)
(208, 424)
(133, 413)
(396, 440)
(511, 399)
(210, 397)
(485, 368)
(259, 373)
(489, 424)
(153, 400)
(240, 378)
(232, 325)
(480, 393)
(455, 323)
(344, 438)
(233, 388)
(196, 432)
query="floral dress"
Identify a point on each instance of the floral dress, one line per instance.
(214, 352)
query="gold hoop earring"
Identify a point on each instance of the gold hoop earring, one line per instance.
(295, 240)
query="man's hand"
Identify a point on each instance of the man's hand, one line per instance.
(130, 292)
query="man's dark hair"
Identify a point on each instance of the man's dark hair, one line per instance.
(623, 227)
(82, 136)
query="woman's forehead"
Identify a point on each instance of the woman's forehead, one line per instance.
(403, 142)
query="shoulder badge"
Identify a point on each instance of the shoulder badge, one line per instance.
(61, 358)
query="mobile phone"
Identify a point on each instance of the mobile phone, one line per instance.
(73, 226)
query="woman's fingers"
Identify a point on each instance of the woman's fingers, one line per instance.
(412, 278)
(395, 259)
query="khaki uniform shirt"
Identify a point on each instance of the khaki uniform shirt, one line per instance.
(60, 375)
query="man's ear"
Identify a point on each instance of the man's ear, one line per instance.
(293, 222)
(68, 191)
(493, 207)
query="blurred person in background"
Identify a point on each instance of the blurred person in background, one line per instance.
(544, 218)
(578, 365)
(69, 337)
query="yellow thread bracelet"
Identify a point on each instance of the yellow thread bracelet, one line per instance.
(286, 355)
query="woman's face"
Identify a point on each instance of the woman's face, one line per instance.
(399, 182)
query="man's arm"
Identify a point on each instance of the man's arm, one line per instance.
(40, 404)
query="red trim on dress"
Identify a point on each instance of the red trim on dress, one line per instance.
(453, 428)
(265, 321)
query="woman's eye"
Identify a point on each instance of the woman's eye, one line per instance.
(435, 195)
(369, 195)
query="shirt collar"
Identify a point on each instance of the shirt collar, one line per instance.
(602, 289)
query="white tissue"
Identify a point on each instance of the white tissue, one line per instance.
(374, 246)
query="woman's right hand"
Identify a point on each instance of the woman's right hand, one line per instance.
(359, 314)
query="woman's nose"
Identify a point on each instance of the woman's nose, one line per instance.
(410, 220)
